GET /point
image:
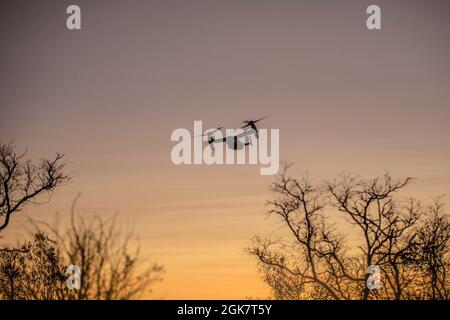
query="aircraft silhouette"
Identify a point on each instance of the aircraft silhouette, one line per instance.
(233, 142)
(251, 123)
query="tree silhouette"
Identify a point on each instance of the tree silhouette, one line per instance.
(110, 269)
(323, 260)
(33, 271)
(429, 254)
(22, 182)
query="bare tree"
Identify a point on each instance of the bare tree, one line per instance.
(111, 267)
(316, 258)
(382, 221)
(430, 255)
(404, 239)
(22, 182)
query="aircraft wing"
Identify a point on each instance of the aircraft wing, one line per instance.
(245, 133)
(220, 140)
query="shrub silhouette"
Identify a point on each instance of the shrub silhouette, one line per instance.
(110, 268)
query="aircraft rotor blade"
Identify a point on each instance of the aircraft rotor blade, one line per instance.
(260, 119)
(210, 133)
(249, 122)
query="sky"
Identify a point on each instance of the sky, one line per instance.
(345, 99)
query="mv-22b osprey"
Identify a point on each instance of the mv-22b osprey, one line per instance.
(233, 142)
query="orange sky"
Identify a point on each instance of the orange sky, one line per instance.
(109, 96)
